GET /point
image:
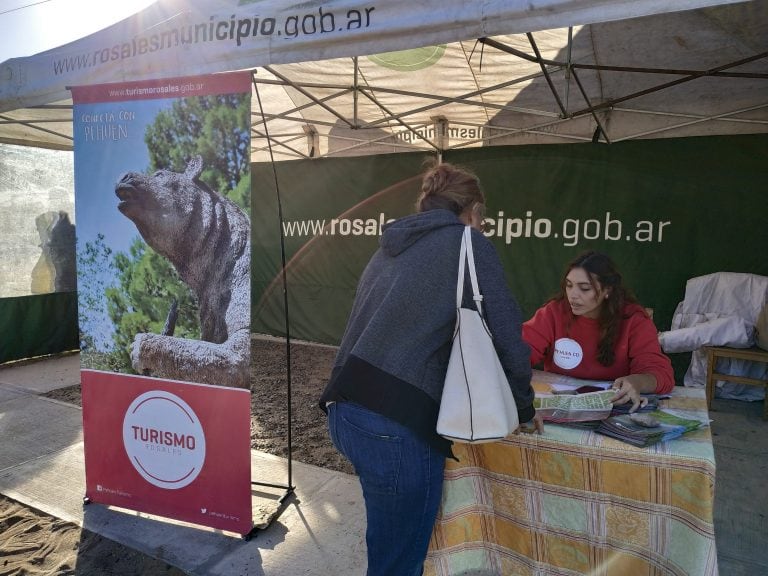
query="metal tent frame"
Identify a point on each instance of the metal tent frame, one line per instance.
(691, 73)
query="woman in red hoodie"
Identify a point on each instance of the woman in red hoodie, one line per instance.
(595, 329)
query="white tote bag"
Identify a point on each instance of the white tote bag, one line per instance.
(477, 404)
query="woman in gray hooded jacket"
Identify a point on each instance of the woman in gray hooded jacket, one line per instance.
(384, 392)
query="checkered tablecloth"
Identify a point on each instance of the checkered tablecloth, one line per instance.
(575, 502)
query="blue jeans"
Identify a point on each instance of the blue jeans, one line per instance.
(402, 481)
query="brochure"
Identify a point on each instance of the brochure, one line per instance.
(653, 404)
(647, 428)
(550, 382)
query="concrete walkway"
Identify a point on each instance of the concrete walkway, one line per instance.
(320, 531)
(740, 438)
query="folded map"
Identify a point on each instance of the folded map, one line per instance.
(575, 408)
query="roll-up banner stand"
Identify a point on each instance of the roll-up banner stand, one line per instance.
(162, 191)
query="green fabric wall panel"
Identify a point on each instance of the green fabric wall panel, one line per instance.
(666, 210)
(38, 325)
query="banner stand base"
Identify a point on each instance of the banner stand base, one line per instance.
(268, 516)
(266, 520)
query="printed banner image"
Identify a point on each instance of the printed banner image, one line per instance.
(162, 192)
(162, 447)
(162, 180)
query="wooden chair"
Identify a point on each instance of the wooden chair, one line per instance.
(753, 354)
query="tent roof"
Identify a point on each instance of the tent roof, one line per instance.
(696, 72)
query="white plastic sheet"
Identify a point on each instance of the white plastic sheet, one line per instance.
(719, 309)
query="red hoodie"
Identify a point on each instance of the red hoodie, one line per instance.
(568, 345)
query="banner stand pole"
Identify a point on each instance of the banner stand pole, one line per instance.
(289, 488)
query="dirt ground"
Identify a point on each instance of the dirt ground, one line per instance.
(35, 544)
(310, 368)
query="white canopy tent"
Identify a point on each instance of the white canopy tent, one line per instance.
(348, 78)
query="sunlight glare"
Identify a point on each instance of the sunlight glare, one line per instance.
(36, 27)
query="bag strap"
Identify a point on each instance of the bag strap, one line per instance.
(462, 264)
(466, 254)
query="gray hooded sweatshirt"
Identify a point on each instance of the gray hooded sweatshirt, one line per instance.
(394, 353)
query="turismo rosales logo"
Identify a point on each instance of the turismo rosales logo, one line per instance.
(164, 439)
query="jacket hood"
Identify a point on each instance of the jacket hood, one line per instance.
(399, 235)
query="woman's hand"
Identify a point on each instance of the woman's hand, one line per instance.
(533, 426)
(627, 389)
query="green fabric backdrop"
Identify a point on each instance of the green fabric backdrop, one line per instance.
(665, 210)
(38, 325)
